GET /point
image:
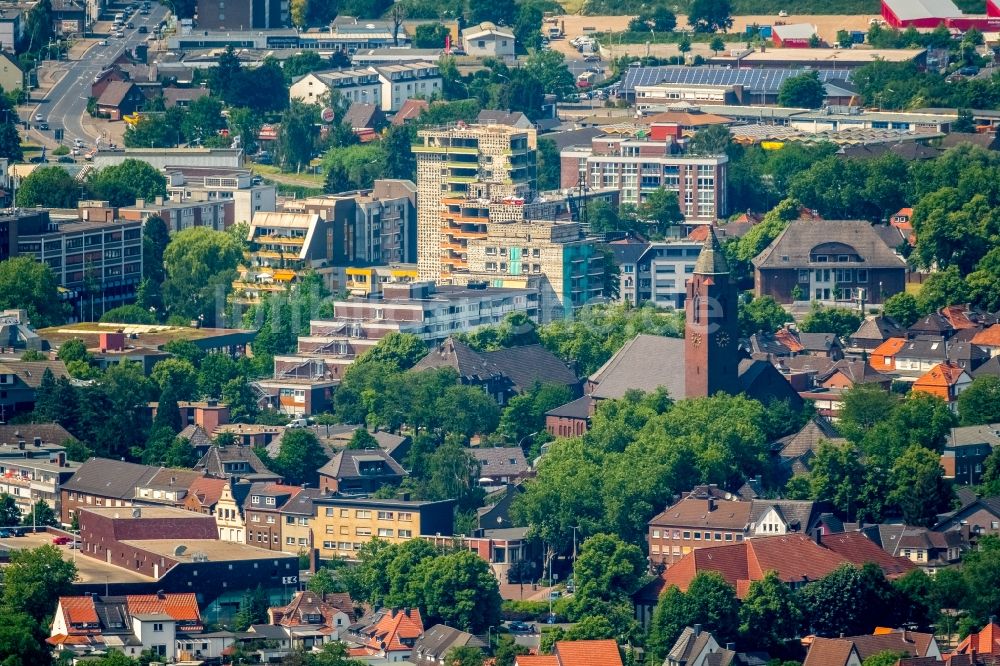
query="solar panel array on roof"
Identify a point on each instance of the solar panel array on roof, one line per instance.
(753, 80)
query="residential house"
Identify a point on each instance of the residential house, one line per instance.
(403, 81)
(120, 99)
(239, 461)
(352, 85)
(858, 549)
(946, 381)
(365, 120)
(389, 633)
(575, 653)
(131, 624)
(487, 40)
(571, 419)
(909, 359)
(104, 482)
(826, 387)
(18, 382)
(296, 520)
(984, 643)
(312, 619)
(338, 436)
(182, 97)
(852, 650)
(835, 262)
(800, 447)
(873, 331)
(501, 465)
(33, 469)
(502, 373)
(11, 74)
(979, 517)
(261, 508)
(989, 339)
(509, 118)
(251, 435)
(933, 324)
(228, 512)
(435, 644)
(197, 437)
(411, 109)
(965, 451)
(902, 221)
(342, 525)
(360, 472)
(821, 344)
(697, 647)
(204, 494)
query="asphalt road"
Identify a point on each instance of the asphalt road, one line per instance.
(66, 102)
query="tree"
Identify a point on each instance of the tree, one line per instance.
(940, 289)
(548, 68)
(507, 650)
(981, 574)
(863, 406)
(35, 579)
(663, 20)
(770, 614)
(22, 640)
(336, 180)
(253, 608)
(919, 487)
(324, 582)
(710, 15)
(123, 183)
(548, 165)
(980, 403)
(844, 39)
(452, 473)
(299, 457)
(128, 314)
(839, 321)
(660, 208)
(10, 142)
(398, 146)
(885, 658)
(241, 400)
(200, 266)
(10, 514)
(670, 617)
(31, 285)
(460, 590)
(203, 119)
(153, 132)
(607, 570)
(177, 374)
(400, 350)
(430, 36)
(41, 514)
(849, 602)
(296, 138)
(836, 477)
(761, 315)
(712, 140)
(49, 187)
(245, 124)
(717, 44)
(802, 91)
(684, 44)
(464, 655)
(902, 308)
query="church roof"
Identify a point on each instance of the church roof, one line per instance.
(711, 260)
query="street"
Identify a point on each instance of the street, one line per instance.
(65, 103)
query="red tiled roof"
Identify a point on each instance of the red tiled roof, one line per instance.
(789, 339)
(988, 337)
(957, 316)
(78, 610)
(207, 490)
(942, 374)
(182, 606)
(986, 641)
(859, 549)
(890, 347)
(393, 626)
(587, 653)
(536, 660)
(828, 652)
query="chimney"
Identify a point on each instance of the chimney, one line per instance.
(697, 629)
(61, 459)
(38, 442)
(711, 504)
(731, 647)
(20, 445)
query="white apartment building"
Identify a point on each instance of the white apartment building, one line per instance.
(354, 85)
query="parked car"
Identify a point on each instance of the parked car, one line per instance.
(42, 125)
(6, 534)
(782, 13)
(554, 619)
(593, 57)
(520, 627)
(61, 540)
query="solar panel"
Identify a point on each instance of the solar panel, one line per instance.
(753, 80)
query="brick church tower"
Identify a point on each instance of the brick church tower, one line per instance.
(711, 331)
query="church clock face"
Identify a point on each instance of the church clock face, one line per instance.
(722, 339)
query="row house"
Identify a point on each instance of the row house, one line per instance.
(262, 508)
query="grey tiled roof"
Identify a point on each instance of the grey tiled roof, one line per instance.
(800, 237)
(646, 363)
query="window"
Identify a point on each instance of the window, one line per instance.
(656, 534)
(363, 514)
(804, 276)
(385, 515)
(269, 501)
(344, 513)
(862, 275)
(157, 626)
(405, 516)
(697, 536)
(687, 535)
(363, 531)
(405, 534)
(385, 532)
(290, 541)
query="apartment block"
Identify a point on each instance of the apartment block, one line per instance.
(370, 227)
(282, 245)
(96, 257)
(33, 471)
(655, 272)
(215, 214)
(564, 262)
(248, 194)
(342, 525)
(404, 81)
(640, 161)
(353, 85)
(252, 15)
(461, 170)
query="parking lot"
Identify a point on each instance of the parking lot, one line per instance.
(88, 569)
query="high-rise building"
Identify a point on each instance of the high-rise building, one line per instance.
(463, 173)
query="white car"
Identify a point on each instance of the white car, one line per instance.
(103, 42)
(783, 13)
(38, 118)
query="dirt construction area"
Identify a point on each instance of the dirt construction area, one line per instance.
(575, 25)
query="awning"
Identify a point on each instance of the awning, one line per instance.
(284, 275)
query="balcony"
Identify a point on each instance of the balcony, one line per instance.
(450, 178)
(280, 240)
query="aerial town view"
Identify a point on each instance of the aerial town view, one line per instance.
(500, 332)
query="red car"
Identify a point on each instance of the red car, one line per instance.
(61, 540)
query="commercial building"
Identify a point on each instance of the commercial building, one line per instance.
(254, 15)
(342, 525)
(161, 158)
(90, 249)
(638, 162)
(929, 14)
(463, 170)
(346, 34)
(794, 35)
(830, 261)
(172, 550)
